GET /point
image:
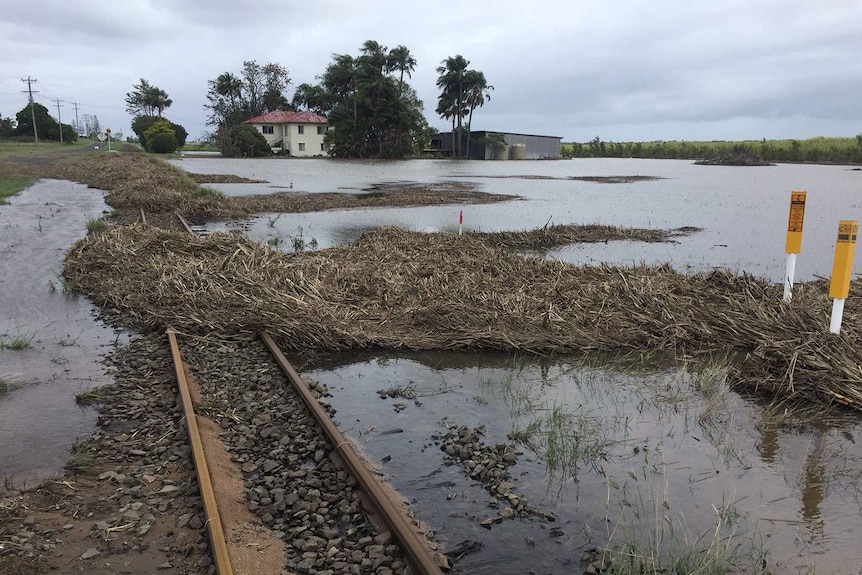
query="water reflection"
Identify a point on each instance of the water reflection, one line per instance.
(812, 491)
(626, 454)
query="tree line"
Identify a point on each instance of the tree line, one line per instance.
(370, 106)
(815, 150)
(46, 127)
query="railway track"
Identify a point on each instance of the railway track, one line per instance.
(379, 508)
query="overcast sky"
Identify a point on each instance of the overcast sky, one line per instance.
(625, 70)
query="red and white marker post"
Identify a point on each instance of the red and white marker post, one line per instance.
(460, 222)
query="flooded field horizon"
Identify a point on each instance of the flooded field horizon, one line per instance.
(743, 210)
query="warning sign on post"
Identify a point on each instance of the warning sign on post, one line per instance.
(795, 223)
(842, 267)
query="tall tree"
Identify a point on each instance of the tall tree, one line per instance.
(340, 78)
(257, 90)
(452, 72)
(146, 99)
(311, 98)
(476, 92)
(403, 62)
(372, 114)
(375, 56)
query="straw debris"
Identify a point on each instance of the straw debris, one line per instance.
(136, 181)
(396, 289)
(559, 235)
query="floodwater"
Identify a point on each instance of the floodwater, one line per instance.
(621, 455)
(659, 458)
(743, 210)
(39, 420)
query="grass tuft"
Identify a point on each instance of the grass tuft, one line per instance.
(96, 225)
(81, 462)
(89, 397)
(17, 342)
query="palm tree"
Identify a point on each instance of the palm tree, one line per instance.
(340, 78)
(451, 80)
(401, 60)
(476, 91)
(374, 55)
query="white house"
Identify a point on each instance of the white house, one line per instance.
(295, 133)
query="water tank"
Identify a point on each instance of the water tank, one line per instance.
(501, 153)
(519, 151)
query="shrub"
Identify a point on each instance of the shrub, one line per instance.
(243, 141)
(160, 138)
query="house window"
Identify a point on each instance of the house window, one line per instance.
(321, 130)
(300, 129)
(322, 147)
(267, 129)
(301, 147)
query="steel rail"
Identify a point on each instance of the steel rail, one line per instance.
(221, 559)
(392, 517)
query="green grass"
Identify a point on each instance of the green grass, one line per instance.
(13, 149)
(89, 397)
(4, 386)
(11, 185)
(199, 147)
(16, 342)
(81, 462)
(649, 537)
(95, 225)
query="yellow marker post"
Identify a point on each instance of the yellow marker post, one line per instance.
(842, 268)
(108, 132)
(794, 239)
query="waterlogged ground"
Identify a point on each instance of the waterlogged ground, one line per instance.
(61, 343)
(742, 210)
(619, 454)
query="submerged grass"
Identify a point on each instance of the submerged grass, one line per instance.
(89, 397)
(647, 537)
(16, 342)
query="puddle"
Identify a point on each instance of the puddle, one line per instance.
(630, 456)
(62, 342)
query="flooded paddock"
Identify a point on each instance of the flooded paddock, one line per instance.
(53, 342)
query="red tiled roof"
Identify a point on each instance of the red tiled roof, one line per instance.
(281, 117)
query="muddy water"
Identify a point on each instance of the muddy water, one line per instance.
(618, 455)
(39, 419)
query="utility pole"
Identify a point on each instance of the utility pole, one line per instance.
(77, 125)
(59, 121)
(30, 82)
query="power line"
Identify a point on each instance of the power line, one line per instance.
(29, 90)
